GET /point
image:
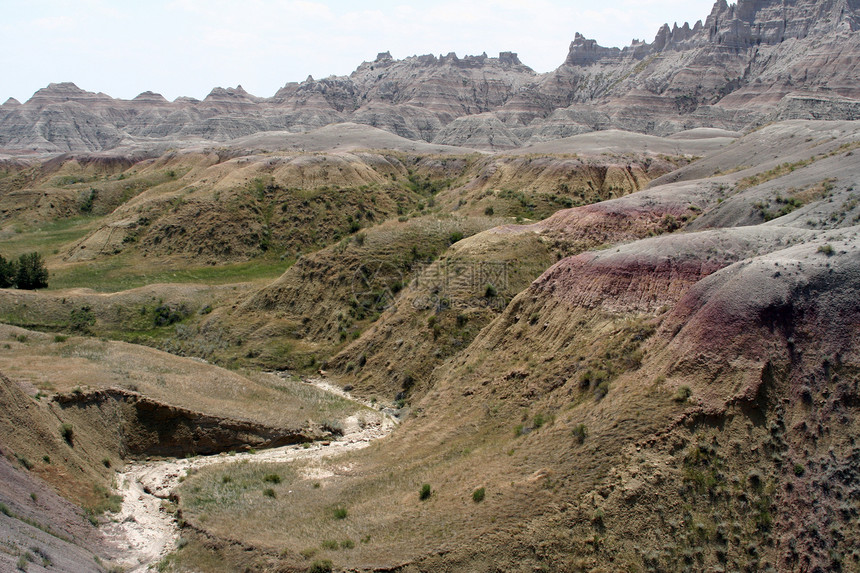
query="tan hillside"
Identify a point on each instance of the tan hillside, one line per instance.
(445, 313)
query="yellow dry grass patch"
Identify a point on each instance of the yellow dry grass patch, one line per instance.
(51, 364)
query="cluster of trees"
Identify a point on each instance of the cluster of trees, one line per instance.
(28, 272)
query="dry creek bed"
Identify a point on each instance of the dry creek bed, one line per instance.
(144, 532)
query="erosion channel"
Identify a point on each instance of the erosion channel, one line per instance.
(145, 530)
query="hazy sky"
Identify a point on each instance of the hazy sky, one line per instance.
(187, 47)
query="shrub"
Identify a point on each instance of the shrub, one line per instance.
(306, 553)
(580, 432)
(347, 544)
(329, 544)
(166, 315)
(272, 478)
(489, 211)
(755, 479)
(60, 338)
(682, 394)
(269, 492)
(670, 223)
(88, 200)
(425, 492)
(825, 249)
(455, 236)
(490, 291)
(340, 513)
(799, 470)
(81, 319)
(478, 495)
(68, 433)
(323, 566)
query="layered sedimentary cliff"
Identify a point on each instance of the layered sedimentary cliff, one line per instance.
(747, 63)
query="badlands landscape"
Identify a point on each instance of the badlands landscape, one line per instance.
(446, 313)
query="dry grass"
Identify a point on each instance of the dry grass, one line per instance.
(90, 363)
(443, 445)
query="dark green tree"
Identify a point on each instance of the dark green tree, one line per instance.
(8, 270)
(32, 273)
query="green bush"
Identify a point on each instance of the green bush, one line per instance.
(269, 492)
(88, 200)
(340, 513)
(580, 432)
(682, 394)
(478, 495)
(425, 492)
(272, 478)
(323, 566)
(81, 319)
(68, 433)
(165, 315)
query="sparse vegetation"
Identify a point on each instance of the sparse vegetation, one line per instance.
(322, 566)
(682, 394)
(425, 492)
(537, 365)
(580, 432)
(68, 433)
(478, 495)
